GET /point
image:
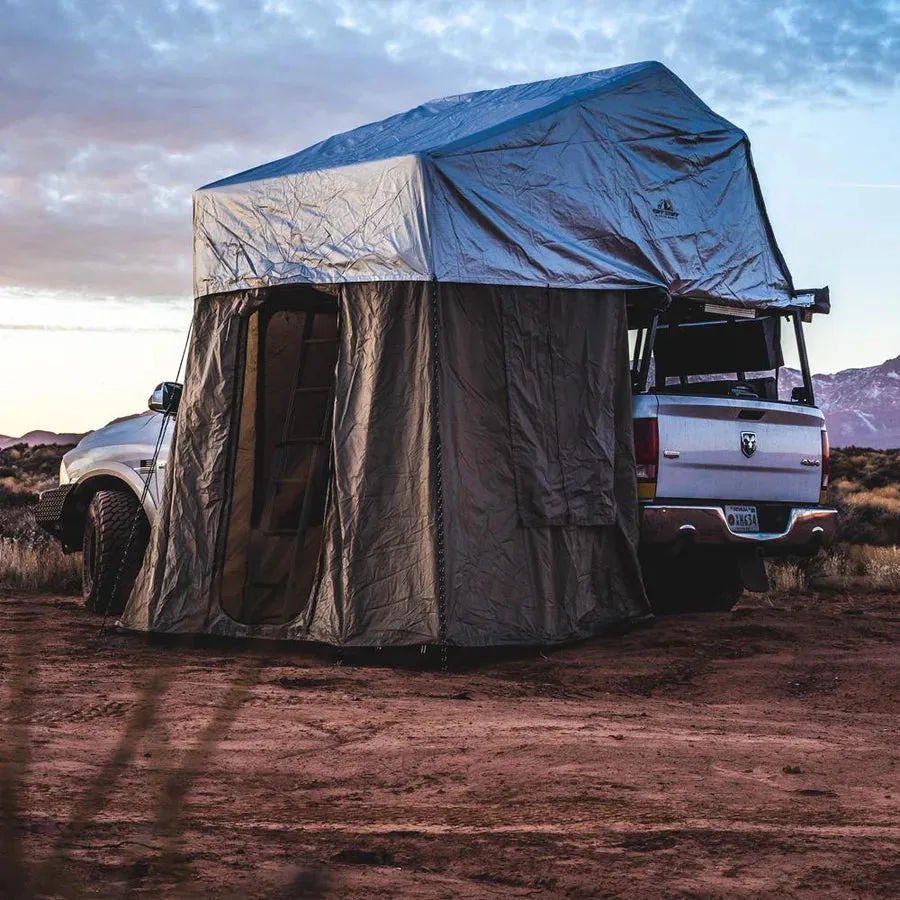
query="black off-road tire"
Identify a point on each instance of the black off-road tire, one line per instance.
(698, 579)
(111, 516)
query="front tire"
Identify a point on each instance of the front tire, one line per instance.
(116, 533)
(698, 579)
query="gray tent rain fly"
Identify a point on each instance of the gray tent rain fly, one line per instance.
(407, 416)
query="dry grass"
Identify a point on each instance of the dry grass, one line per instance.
(853, 567)
(26, 471)
(865, 488)
(43, 568)
(30, 559)
(885, 498)
(15, 492)
(785, 577)
(879, 566)
(872, 468)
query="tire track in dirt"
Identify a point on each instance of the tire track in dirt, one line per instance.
(888, 829)
(109, 709)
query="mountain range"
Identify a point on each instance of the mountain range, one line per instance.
(36, 438)
(861, 406)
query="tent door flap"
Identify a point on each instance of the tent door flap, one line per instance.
(296, 493)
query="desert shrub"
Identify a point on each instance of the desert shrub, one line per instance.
(14, 493)
(844, 567)
(26, 471)
(865, 489)
(41, 568)
(878, 566)
(869, 468)
(17, 523)
(30, 559)
(865, 518)
(785, 576)
(886, 498)
(884, 566)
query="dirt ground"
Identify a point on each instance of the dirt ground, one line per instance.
(749, 754)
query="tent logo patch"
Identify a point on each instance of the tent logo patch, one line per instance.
(666, 209)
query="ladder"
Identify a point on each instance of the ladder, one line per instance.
(301, 456)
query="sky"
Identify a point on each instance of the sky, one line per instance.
(111, 113)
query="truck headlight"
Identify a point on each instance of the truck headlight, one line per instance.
(63, 474)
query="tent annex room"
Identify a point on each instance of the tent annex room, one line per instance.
(407, 410)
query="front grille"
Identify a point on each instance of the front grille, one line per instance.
(50, 506)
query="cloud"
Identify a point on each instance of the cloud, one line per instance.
(875, 186)
(112, 113)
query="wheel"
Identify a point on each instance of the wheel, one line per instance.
(698, 579)
(111, 561)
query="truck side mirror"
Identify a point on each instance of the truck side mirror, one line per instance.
(166, 397)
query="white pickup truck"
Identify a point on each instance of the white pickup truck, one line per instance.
(727, 472)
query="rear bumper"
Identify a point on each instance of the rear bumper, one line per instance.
(807, 528)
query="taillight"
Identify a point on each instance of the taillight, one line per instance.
(826, 460)
(646, 448)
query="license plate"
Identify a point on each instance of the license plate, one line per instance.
(742, 518)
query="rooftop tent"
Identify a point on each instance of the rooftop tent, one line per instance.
(407, 415)
(614, 179)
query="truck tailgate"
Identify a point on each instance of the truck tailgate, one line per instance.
(716, 448)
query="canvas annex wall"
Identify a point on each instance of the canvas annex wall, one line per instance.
(407, 413)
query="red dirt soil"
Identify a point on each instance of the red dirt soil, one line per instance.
(745, 754)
